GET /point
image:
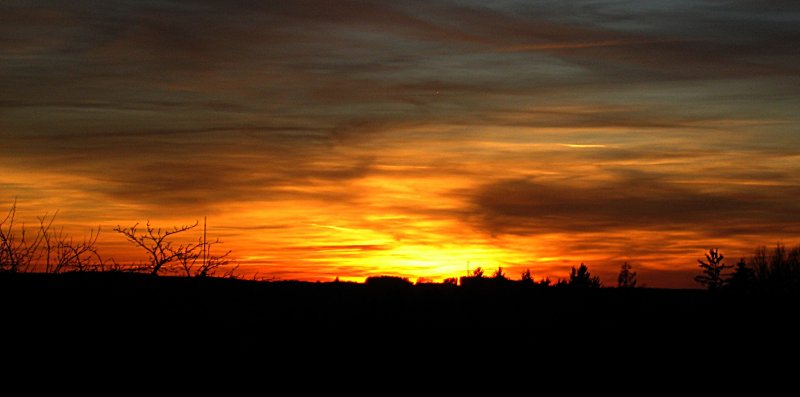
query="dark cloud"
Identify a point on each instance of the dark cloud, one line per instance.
(200, 186)
(634, 201)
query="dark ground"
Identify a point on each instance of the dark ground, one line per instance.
(118, 309)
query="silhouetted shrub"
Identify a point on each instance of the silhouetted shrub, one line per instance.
(387, 282)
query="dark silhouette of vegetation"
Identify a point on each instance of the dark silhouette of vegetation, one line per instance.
(526, 278)
(188, 259)
(196, 260)
(743, 278)
(712, 268)
(776, 271)
(387, 282)
(626, 278)
(62, 253)
(18, 248)
(161, 251)
(581, 278)
(77, 274)
(47, 249)
(48, 246)
(545, 282)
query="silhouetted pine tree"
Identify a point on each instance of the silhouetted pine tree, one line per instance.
(712, 269)
(743, 278)
(626, 278)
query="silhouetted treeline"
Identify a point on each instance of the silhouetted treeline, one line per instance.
(768, 271)
(47, 249)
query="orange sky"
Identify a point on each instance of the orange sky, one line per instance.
(349, 139)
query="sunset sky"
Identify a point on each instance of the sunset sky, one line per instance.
(353, 138)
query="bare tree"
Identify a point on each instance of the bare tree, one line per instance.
(157, 243)
(191, 259)
(196, 260)
(18, 249)
(777, 270)
(61, 253)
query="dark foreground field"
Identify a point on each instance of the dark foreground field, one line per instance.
(143, 310)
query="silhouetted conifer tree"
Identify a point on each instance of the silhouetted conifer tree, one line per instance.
(626, 278)
(712, 269)
(743, 278)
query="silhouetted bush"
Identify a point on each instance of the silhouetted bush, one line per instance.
(388, 282)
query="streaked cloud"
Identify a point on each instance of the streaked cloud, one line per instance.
(631, 201)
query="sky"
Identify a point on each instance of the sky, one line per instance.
(412, 138)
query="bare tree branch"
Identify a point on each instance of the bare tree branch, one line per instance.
(154, 241)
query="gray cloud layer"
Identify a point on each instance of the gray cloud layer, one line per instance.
(151, 82)
(636, 201)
